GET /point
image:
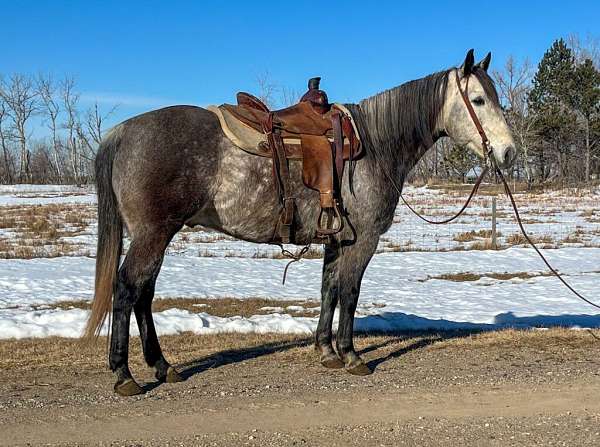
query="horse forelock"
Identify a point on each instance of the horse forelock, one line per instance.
(489, 87)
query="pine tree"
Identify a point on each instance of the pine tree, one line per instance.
(550, 100)
(585, 99)
(461, 160)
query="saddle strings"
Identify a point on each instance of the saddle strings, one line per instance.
(295, 258)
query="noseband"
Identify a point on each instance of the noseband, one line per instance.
(485, 142)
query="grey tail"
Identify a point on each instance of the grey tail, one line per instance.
(110, 235)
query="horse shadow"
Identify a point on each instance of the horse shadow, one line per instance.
(231, 356)
(239, 355)
(398, 327)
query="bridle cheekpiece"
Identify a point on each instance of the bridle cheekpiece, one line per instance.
(485, 142)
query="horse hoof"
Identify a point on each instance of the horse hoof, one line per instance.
(332, 362)
(359, 369)
(173, 376)
(128, 388)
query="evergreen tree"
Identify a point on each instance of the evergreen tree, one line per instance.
(461, 160)
(550, 100)
(585, 99)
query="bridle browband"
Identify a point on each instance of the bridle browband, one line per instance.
(485, 142)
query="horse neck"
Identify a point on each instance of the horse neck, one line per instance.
(401, 124)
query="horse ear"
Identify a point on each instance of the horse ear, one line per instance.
(485, 62)
(467, 66)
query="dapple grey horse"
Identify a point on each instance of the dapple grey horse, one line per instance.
(172, 167)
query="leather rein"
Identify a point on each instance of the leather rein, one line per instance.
(490, 162)
(485, 144)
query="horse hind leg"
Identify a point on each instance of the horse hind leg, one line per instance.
(135, 279)
(153, 355)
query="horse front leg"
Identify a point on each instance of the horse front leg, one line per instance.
(351, 267)
(329, 301)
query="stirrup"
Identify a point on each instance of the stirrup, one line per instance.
(328, 228)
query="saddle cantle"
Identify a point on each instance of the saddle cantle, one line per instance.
(320, 134)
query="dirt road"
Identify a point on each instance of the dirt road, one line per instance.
(504, 388)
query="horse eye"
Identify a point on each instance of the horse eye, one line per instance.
(479, 101)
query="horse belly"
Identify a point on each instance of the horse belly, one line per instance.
(245, 201)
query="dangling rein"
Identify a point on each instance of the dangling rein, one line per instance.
(490, 161)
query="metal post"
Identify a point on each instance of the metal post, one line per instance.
(494, 240)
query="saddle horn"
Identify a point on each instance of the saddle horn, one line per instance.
(318, 98)
(313, 83)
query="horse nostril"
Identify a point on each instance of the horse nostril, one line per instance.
(509, 155)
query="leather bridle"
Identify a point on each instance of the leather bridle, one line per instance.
(485, 142)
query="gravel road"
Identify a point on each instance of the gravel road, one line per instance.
(501, 388)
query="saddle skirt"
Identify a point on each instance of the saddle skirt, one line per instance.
(255, 142)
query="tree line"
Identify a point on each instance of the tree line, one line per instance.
(66, 154)
(553, 110)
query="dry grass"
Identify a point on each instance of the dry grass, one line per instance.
(554, 339)
(587, 213)
(485, 244)
(61, 353)
(56, 352)
(229, 307)
(468, 276)
(12, 251)
(574, 238)
(409, 246)
(39, 229)
(473, 235)
(222, 307)
(393, 246)
(485, 189)
(311, 253)
(530, 220)
(518, 239)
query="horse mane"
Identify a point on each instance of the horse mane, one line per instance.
(399, 123)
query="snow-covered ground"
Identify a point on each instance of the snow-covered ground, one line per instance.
(404, 287)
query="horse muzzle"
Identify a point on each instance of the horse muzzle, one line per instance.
(506, 158)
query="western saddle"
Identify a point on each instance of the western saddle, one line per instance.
(320, 134)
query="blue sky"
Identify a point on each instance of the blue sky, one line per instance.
(147, 54)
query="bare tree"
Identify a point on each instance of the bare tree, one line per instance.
(47, 90)
(588, 48)
(266, 89)
(92, 129)
(289, 96)
(4, 140)
(21, 99)
(514, 83)
(72, 124)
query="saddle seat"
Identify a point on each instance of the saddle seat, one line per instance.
(320, 134)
